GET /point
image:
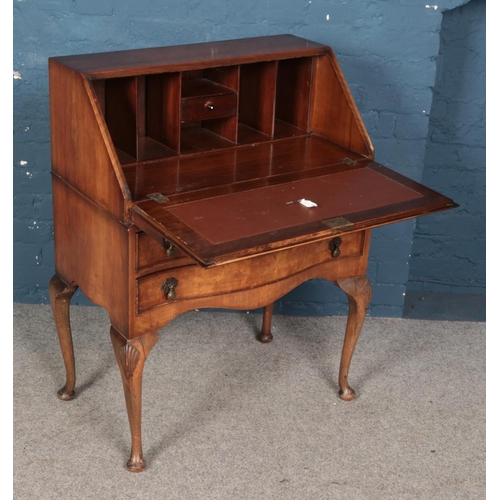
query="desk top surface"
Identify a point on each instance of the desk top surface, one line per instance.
(190, 56)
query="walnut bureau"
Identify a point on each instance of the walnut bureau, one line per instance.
(216, 175)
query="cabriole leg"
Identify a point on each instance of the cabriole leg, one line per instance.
(265, 336)
(60, 295)
(359, 293)
(131, 356)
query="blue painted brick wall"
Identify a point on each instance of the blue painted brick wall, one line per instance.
(387, 51)
(449, 250)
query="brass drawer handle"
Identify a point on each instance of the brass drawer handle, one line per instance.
(169, 248)
(168, 288)
(210, 105)
(334, 246)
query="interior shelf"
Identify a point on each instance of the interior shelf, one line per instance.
(195, 139)
(199, 87)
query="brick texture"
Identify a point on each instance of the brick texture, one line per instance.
(387, 50)
(449, 249)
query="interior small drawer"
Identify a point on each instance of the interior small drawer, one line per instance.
(208, 107)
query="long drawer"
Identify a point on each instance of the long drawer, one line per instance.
(192, 281)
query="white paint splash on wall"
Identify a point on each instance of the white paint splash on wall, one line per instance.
(328, 17)
(22, 162)
(17, 75)
(435, 7)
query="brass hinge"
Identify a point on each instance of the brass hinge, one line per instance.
(349, 161)
(158, 197)
(338, 223)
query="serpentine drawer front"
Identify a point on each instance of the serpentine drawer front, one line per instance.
(194, 282)
(212, 175)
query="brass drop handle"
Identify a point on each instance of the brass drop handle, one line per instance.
(334, 246)
(169, 248)
(209, 105)
(168, 288)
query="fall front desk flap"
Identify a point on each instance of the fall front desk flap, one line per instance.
(240, 224)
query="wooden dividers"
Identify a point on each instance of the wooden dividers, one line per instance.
(168, 114)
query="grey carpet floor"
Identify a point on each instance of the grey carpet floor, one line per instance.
(225, 417)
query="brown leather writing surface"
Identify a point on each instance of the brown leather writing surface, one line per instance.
(238, 224)
(240, 215)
